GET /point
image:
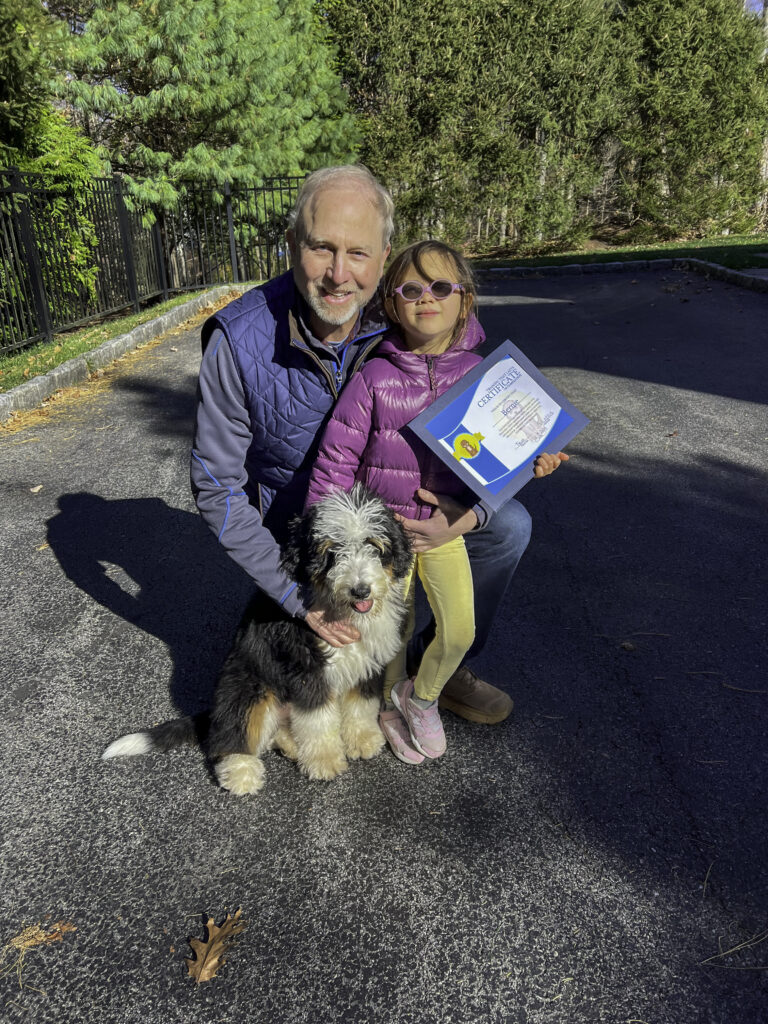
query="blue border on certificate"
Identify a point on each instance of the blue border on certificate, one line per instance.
(494, 478)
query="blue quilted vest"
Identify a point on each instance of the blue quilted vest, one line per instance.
(289, 392)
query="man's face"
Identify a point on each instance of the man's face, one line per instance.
(340, 258)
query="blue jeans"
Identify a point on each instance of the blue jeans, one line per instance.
(494, 552)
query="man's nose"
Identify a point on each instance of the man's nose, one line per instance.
(337, 269)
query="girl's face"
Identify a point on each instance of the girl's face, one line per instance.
(427, 324)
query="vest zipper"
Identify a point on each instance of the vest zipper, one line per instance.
(308, 351)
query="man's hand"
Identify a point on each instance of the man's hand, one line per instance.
(448, 520)
(337, 634)
(543, 465)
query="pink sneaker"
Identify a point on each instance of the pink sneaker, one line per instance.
(394, 727)
(425, 726)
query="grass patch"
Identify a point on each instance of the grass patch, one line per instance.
(17, 367)
(739, 252)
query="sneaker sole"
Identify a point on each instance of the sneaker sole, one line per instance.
(473, 714)
(404, 759)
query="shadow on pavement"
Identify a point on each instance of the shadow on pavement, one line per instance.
(170, 410)
(158, 568)
(634, 645)
(674, 330)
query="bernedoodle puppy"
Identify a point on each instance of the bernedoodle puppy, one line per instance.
(282, 685)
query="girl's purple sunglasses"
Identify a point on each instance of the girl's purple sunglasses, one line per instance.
(412, 291)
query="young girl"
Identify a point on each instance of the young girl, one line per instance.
(429, 293)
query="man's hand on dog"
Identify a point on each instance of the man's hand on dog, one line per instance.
(336, 633)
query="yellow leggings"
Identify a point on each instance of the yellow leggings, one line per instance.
(447, 578)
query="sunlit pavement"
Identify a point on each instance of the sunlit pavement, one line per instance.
(599, 857)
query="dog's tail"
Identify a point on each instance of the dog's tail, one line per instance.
(166, 736)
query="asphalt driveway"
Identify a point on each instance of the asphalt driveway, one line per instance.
(599, 857)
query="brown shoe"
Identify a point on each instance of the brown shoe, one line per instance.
(469, 697)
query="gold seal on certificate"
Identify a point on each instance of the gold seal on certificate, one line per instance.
(491, 425)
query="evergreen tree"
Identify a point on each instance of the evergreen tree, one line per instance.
(34, 137)
(479, 103)
(215, 90)
(547, 105)
(29, 43)
(692, 150)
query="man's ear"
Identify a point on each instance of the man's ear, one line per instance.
(290, 237)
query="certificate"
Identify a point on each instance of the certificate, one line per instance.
(491, 425)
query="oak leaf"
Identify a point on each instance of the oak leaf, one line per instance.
(209, 954)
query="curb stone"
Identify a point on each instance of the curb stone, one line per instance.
(739, 277)
(32, 393)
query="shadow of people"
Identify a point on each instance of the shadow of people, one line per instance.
(158, 568)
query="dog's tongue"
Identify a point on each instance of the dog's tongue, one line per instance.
(363, 606)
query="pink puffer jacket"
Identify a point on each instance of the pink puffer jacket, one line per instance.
(365, 441)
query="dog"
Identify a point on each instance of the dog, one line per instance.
(283, 686)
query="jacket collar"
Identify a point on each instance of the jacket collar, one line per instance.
(474, 335)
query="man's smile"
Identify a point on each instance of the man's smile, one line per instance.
(334, 297)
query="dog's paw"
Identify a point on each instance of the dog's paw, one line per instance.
(364, 743)
(241, 774)
(324, 766)
(286, 744)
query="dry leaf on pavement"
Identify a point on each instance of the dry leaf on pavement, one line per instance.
(28, 938)
(209, 954)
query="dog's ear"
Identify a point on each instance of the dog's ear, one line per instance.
(320, 558)
(295, 552)
(402, 555)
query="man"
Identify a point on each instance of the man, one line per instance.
(274, 362)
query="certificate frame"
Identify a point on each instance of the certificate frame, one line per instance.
(505, 463)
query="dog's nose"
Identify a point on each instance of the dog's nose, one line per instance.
(361, 591)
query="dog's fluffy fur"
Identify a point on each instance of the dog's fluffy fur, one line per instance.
(281, 684)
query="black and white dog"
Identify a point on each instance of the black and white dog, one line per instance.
(281, 684)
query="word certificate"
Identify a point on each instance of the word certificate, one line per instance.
(491, 425)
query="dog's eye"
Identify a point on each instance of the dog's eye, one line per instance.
(377, 545)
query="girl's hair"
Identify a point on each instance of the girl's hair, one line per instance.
(413, 256)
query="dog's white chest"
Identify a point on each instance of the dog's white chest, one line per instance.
(349, 665)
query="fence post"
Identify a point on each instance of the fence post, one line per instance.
(159, 254)
(125, 235)
(27, 234)
(231, 231)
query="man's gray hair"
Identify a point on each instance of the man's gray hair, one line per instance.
(353, 174)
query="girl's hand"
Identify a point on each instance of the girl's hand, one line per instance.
(543, 465)
(448, 520)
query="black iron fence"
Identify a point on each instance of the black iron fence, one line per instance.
(69, 256)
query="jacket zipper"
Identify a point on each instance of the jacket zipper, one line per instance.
(432, 381)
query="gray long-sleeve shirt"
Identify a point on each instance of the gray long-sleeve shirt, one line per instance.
(219, 478)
